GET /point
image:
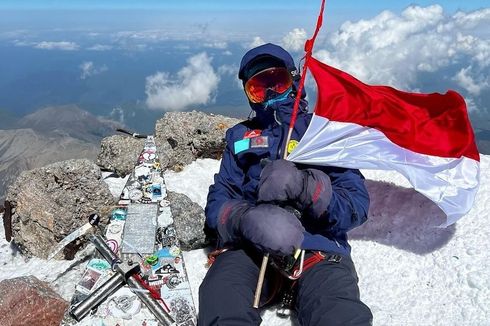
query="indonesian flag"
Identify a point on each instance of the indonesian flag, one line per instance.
(426, 137)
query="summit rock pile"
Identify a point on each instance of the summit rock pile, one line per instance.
(182, 137)
(48, 203)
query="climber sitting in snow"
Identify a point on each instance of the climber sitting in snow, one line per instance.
(250, 210)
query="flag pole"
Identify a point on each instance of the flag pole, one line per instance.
(308, 49)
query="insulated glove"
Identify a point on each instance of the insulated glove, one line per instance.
(307, 190)
(269, 228)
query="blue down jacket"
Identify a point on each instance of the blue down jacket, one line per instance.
(263, 137)
(239, 175)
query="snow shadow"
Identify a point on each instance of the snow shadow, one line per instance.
(403, 218)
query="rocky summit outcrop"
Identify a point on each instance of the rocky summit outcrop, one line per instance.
(188, 220)
(119, 153)
(181, 137)
(49, 203)
(29, 301)
(184, 136)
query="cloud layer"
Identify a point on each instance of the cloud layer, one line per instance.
(88, 69)
(63, 45)
(421, 46)
(295, 40)
(194, 84)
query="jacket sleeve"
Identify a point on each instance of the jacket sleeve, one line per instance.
(349, 203)
(227, 185)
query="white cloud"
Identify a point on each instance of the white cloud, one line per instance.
(465, 80)
(402, 50)
(216, 45)
(21, 43)
(193, 84)
(88, 69)
(63, 45)
(295, 40)
(228, 70)
(100, 47)
(473, 19)
(470, 104)
(257, 41)
(117, 113)
(231, 70)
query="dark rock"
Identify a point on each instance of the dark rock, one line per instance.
(29, 301)
(188, 220)
(119, 153)
(184, 136)
(7, 220)
(50, 202)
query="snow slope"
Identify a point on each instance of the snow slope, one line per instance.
(410, 271)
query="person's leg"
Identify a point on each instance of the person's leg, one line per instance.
(328, 294)
(227, 292)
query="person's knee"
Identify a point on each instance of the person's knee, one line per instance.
(221, 304)
(226, 293)
(213, 289)
(329, 310)
(329, 295)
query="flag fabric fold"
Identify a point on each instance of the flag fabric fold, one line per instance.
(428, 138)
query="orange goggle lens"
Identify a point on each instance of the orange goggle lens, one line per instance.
(258, 87)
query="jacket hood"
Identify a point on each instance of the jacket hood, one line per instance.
(266, 50)
(265, 112)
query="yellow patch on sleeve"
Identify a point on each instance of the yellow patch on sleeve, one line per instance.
(292, 145)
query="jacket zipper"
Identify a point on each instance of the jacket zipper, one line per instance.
(281, 143)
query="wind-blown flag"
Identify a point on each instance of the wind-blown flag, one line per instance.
(426, 137)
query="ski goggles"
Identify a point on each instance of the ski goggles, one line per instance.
(268, 84)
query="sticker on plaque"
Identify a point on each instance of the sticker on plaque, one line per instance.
(89, 280)
(140, 229)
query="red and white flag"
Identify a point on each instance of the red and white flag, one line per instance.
(426, 137)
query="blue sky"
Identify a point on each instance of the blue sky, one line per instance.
(249, 14)
(358, 5)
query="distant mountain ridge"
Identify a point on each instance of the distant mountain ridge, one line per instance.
(68, 120)
(49, 135)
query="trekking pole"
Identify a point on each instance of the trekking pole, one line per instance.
(308, 48)
(265, 259)
(260, 281)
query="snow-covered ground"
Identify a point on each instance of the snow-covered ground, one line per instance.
(410, 271)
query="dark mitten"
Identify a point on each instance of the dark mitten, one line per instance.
(308, 190)
(229, 218)
(272, 229)
(316, 194)
(268, 227)
(280, 181)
